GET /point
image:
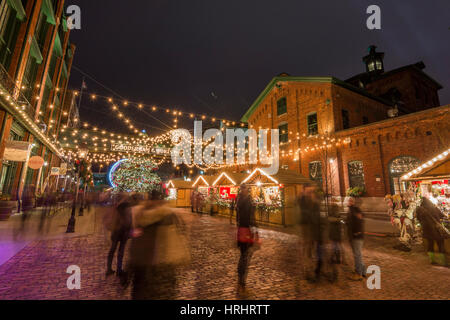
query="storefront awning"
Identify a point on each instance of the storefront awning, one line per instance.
(47, 8)
(64, 69)
(58, 47)
(18, 7)
(69, 51)
(35, 52)
(64, 24)
(48, 82)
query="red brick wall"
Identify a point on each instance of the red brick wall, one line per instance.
(421, 135)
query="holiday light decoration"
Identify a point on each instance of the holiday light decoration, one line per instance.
(262, 173)
(134, 175)
(426, 164)
(198, 179)
(220, 177)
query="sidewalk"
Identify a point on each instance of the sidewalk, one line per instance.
(54, 228)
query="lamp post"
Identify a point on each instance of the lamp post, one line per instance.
(71, 224)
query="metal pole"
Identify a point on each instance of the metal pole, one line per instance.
(80, 214)
(71, 224)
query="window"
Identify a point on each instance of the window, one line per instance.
(29, 77)
(345, 119)
(281, 106)
(284, 134)
(41, 30)
(379, 65)
(315, 172)
(365, 120)
(356, 174)
(312, 124)
(4, 15)
(398, 167)
(371, 66)
(9, 30)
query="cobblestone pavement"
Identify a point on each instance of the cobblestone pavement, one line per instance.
(39, 270)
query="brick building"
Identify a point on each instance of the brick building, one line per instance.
(344, 135)
(35, 62)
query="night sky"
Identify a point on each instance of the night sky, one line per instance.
(215, 57)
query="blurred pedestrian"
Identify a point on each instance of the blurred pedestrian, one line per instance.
(27, 206)
(304, 221)
(316, 232)
(245, 220)
(156, 249)
(121, 229)
(355, 230)
(193, 200)
(198, 202)
(429, 217)
(335, 237)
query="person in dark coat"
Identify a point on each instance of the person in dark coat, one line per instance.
(121, 231)
(335, 233)
(245, 220)
(152, 279)
(316, 232)
(27, 206)
(429, 217)
(355, 230)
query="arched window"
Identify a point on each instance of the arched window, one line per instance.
(315, 172)
(398, 167)
(356, 174)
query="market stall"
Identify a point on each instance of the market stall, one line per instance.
(204, 193)
(275, 196)
(431, 180)
(226, 187)
(179, 192)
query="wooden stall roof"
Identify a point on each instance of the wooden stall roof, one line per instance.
(230, 178)
(436, 168)
(202, 180)
(282, 177)
(291, 177)
(180, 184)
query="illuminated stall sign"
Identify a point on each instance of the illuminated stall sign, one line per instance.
(228, 192)
(120, 147)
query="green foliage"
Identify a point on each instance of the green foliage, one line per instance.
(223, 203)
(275, 206)
(355, 192)
(136, 175)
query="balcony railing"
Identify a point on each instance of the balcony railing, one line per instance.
(14, 92)
(18, 105)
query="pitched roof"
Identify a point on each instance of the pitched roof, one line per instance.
(437, 168)
(202, 179)
(228, 178)
(417, 67)
(180, 184)
(282, 177)
(283, 78)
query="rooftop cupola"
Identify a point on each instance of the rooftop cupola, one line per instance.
(374, 61)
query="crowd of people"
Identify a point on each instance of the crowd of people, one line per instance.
(154, 235)
(157, 244)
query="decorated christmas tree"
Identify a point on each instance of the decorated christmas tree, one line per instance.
(136, 175)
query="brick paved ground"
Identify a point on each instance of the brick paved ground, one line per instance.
(39, 270)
